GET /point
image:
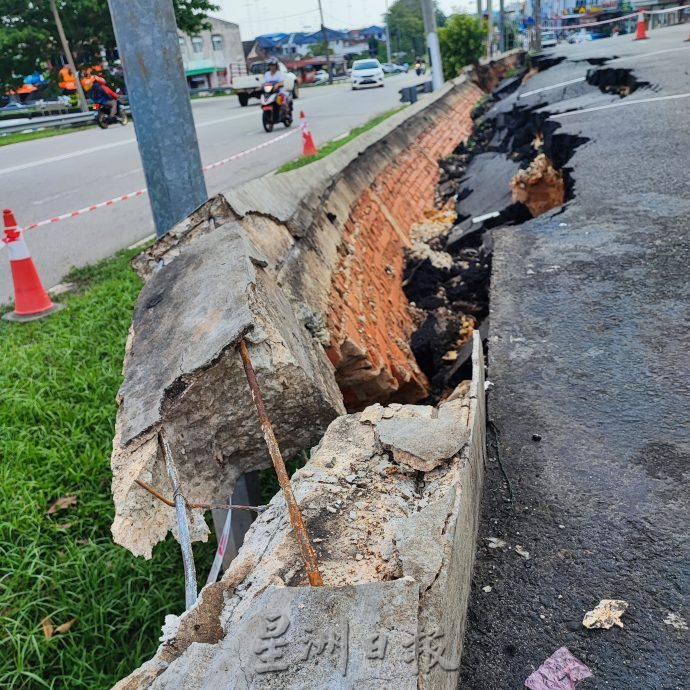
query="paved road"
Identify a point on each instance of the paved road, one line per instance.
(590, 349)
(44, 178)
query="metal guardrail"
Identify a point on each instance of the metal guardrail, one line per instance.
(408, 94)
(55, 122)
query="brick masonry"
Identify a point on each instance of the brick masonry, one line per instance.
(369, 318)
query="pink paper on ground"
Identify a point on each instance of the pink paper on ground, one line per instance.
(559, 672)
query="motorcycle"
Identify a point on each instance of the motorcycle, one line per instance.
(103, 118)
(274, 107)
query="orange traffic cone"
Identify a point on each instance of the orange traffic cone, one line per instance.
(641, 33)
(308, 149)
(31, 301)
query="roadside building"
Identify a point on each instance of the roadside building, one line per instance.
(212, 57)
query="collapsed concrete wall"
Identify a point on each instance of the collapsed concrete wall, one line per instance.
(335, 238)
(395, 546)
(182, 372)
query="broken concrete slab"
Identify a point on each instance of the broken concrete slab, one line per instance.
(392, 544)
(424, 444)
(182, 372)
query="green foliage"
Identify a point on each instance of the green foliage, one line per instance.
(462, 43)
(29, 39)
(59, 380)
(406, 29)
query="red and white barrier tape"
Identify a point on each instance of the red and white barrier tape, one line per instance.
(141, 192)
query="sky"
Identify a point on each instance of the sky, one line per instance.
(271, 16)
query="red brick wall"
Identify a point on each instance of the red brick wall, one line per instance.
(369, 317)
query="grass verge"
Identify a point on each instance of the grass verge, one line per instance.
(58, 381)
(335, 144)
(18, 137)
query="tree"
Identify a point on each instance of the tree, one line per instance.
(462, 43)
(28, 37)
(406, 28)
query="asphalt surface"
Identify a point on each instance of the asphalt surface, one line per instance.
(48, 177)
(590, 350)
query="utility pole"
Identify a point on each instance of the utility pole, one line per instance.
(432, 44)
(149, 48)
(388, 38)
(68, 55)
(479, 11)
(490, 29)
(537, 25)
(324, 31)
(502, 27)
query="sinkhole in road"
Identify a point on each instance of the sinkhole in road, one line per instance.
(513, 168)
(619, 80)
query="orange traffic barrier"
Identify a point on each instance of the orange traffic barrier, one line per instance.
(31, 301)
(641, 33)
(308, 148)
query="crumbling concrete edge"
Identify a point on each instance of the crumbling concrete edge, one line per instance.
(448, 592)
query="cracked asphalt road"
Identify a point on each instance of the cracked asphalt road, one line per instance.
(590, 349)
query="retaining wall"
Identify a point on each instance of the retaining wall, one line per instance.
(335, 233)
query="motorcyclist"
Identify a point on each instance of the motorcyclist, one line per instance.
(105, 96)
(275, 76)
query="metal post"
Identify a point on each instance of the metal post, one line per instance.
(537, 25)
(158, 94)
(490, 29)
(502, 26)
(68, 56)
(325, 40)
(388, 37)
(479, 10)
(432, 43)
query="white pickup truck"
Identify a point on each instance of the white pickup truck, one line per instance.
(249, 85)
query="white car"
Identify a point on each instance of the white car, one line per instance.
(321, 77)
(366, 73)
(548, 39)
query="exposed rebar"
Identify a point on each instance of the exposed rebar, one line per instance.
(190, 590)
(298, 528)
(203, 506)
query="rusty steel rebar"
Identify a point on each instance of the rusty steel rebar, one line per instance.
(190, 589)
(298, 527)
(202, 506)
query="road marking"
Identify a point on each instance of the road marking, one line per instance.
(621, 105)
(553, 86)
(65, 156)
(641, 55)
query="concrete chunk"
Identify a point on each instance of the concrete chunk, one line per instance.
(424, 444)
(182, 371)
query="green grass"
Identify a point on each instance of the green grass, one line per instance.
(58, 384)
(18, 137)
(335, 144)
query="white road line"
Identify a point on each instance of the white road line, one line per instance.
(637, 56)
(621, 105)
(553, 86)
(65, 156)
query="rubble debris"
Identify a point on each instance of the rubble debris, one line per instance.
(675, 620)
(521, 551)
(496, 543)
(605, 614)
(536, 437)
(424, 444)
(539, 187)
(559, 672)
(182, 370)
